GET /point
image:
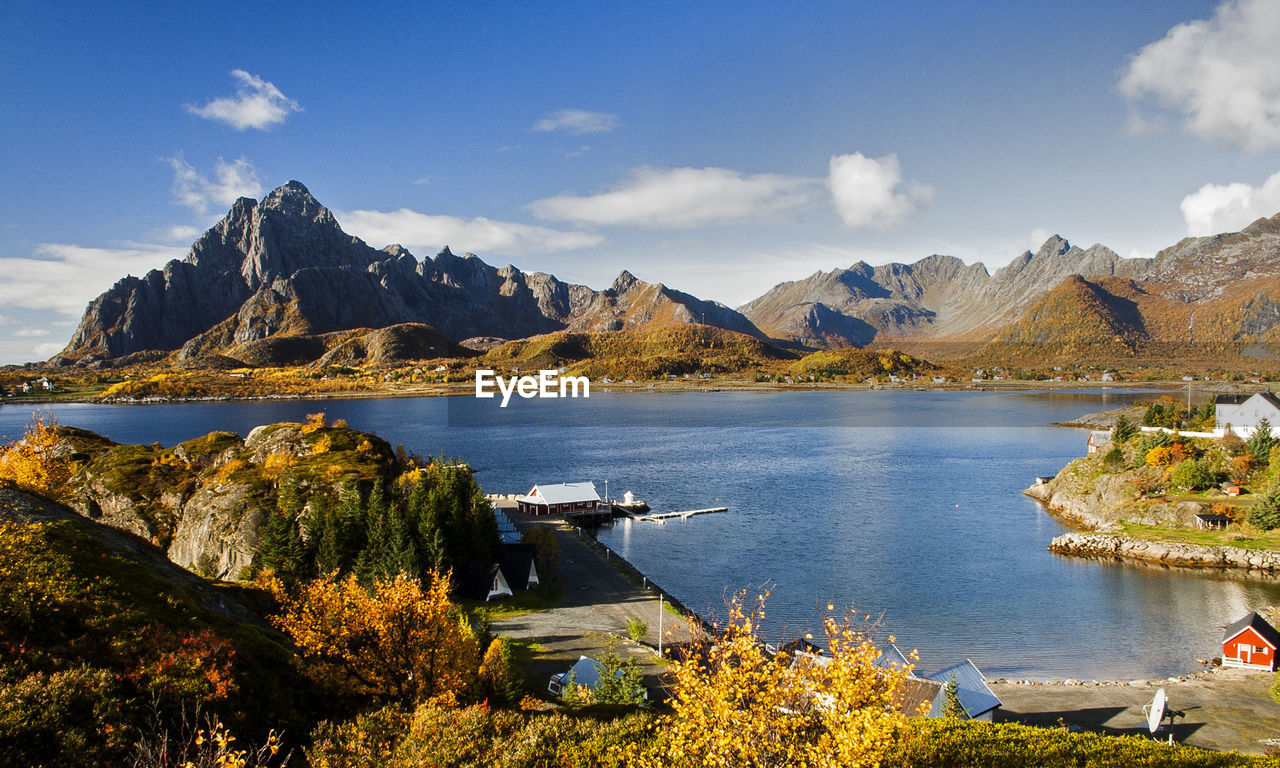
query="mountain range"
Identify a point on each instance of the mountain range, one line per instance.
(277, 281)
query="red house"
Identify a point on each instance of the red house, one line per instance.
(560, 499)
(1250, 643)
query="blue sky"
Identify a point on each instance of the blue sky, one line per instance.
(717, 147)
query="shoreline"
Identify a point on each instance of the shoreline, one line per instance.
(678, 386)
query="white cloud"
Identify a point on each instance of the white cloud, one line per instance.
(47, 350)
(64, 277)
(1222, 73)
(680, 198)
(256, 104)
(230, 181)
(416, 230)
(30, 333)
(1216, 208)
(870, 191)
(5, 319)
(577, 122)
(180, 233)
(1037, 238)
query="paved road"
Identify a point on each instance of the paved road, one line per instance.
(599, 599)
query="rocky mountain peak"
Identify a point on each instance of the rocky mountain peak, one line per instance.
(624, 282)
(1056, 245)
(293, 199)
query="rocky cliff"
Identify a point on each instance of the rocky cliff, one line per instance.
(204, 502)
(283, 268)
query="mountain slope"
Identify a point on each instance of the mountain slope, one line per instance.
(1221, 289)
(283, 268)
(1077, 312)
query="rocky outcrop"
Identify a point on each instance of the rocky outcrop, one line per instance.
(220, 529)
(266, 283)
(25, 508)
(1167, 553)
(204, 502)
(1101, 501)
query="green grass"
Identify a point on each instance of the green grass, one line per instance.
(548, 595)
(1229, 537)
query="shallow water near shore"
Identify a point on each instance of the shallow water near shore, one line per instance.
(906, 504)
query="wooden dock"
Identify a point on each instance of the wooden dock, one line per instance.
(665, 516)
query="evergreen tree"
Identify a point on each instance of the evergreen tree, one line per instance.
(326, 536)
(1266, 511)
(390, 550)
(1154, 415)
(1123, 430)
(281, 549)
(952, 708)
(1261, 442)
(351, 524)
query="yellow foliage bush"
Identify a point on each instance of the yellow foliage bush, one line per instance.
(1167, 455)
(314, 422)
(734, 704)
(395, 642)
(322, 445)
(33, 464)
(230, 468)
(275, 464)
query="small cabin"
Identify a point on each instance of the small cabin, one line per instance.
(1208, 522)
(1098, 439)
(978, 700)
(1250, 643)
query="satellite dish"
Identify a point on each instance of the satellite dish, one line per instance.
(1156, 710)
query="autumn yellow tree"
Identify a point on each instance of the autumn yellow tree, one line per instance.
(395, 641)
(735, 704)
(35, 464)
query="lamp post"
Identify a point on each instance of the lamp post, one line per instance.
(659, 623)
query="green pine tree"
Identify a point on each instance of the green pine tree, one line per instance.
(951, 707)
(1123, 430)
(1261, 442)
(326, 537)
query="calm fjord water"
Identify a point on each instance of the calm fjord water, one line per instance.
(906, 503)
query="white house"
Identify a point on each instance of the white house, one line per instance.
(559, 499)
(1243, 412)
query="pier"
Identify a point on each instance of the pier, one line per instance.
(665, 516)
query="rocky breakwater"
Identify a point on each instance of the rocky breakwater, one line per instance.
(1164, 552)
